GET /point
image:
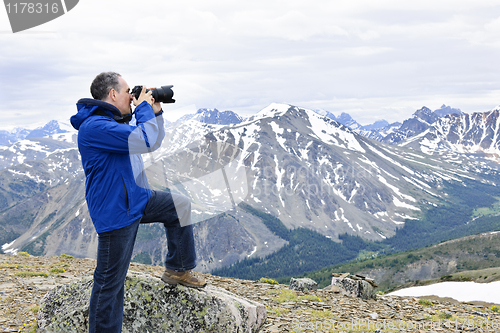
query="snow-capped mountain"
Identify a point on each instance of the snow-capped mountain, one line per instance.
(301, 166)
(396, 132)
(347, 120)
(445, 110)
(344, 119)
(30, 150)
(212, 117)
(379, 134)
(476, 133)
(378, 125)
(312, 171)
(8, 137)
(421, 120)
(52, 127)
(36, 144)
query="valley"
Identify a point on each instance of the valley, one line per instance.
(471, 258)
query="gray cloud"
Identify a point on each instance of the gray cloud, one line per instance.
(371, 59)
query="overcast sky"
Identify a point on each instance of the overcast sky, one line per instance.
(374, 59)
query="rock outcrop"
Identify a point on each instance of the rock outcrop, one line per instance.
(153, 306)
(303, 284)
(354, 285)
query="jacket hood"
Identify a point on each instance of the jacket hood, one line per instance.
(88, 106)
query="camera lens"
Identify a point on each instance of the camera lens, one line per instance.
(163, 94)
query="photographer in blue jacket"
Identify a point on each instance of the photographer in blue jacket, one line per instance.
(118, 195)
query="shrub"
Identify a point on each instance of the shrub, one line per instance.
(310, 298)
(445, 315)
(67, 256)
(267, 280)
(425, 302)
(285, 295)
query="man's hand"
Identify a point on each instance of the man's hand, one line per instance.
(144, 96)
(147, 96)
(156, 107)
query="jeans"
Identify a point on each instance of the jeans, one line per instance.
(114, 252)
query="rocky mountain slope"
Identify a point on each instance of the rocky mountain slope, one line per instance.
(311, 171)
(25, 280)
(443, 131)
(34, 149)
(475, 133)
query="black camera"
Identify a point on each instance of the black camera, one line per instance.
(163, 94)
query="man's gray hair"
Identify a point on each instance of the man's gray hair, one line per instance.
(103, 83)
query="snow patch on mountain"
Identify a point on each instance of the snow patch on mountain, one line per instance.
(6, 248)
(325, 132)
(271, 111)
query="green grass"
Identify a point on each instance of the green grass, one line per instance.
(31, 274)
(487, 211)
(12, 266)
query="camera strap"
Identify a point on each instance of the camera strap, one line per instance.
(119, 119)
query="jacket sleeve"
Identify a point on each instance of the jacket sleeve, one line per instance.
(161, 132)
(108, 135)
(149, 132)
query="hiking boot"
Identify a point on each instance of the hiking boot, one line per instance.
(185, 278)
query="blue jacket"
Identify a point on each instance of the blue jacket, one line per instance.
(116, 187)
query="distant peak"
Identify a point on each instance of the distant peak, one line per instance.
(273, 109)
(344, 117)
(207, 110)
(379, 124)
(52, 127)
(424, 109)
(324, 113)
(446, 110)
(213, 117)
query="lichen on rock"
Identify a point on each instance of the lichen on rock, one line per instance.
(153, 306)
(354, 285)
(303, 284)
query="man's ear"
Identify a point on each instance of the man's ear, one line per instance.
(112, 94)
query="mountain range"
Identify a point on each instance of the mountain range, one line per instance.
(307, 168)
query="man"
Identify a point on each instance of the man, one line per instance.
(119, 198)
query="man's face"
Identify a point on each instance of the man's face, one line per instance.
(123, 98)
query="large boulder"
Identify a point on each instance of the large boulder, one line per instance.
(302, 284)
(153, 306)
(354, 285)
